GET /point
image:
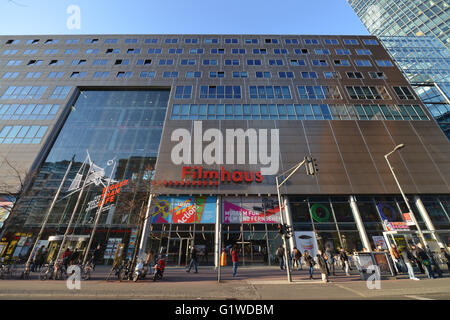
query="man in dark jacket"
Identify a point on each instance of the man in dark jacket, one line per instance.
(330, 261)
(424, 259)
(323, 266)
(408, 258)
(193, 262)
(416, 259)
(280, 255)
(96, 255)
(344, 258)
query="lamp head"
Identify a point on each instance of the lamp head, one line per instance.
(399, 146)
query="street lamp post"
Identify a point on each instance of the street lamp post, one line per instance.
(419, 230)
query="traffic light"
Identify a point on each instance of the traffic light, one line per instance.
(311, 166)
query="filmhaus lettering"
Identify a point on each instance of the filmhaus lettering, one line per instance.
(189, 149)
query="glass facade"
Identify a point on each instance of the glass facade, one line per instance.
(124, 126)
(425, 62)
(405, 17)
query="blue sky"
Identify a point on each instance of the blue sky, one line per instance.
(181, 16)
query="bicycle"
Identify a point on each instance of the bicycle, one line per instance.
(47, 272)
(8, 270)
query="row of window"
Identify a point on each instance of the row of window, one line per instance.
(323, 51)
(305, 92)
(28, 111)
(198, 74)
(196, 40)
(214, 62)
(22, 134)
(296, 112)
(33, 92)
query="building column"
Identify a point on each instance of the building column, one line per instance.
(426, 218)
(218, 236)
(289, 221)
(359, 224)
(146, 228)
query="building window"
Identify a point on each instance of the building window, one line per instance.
(287, 74)
(331, 41)
(259, 51)
(55, 75)
(91, 40)
(242, 74)
(377, 75)
(151, 41)
(71, 51)
(342, 52)
(260, 74)
(51, 51)
(12, 41)
(196, 51)
(60, 92)
(321, 51)
(270, 92)
(165, 62)
(124, 74)
(309, 75)
(30, 51)
(51, 41)
(193, 74)
(254, 62)
(209, 62)
(147, 74)
(188, 62)
(91, 51)
(363, 63)
(55, 62)
(237, 51)
(220, 92)
(22, 134)
(10, 75)
(183, 92)
(280, 51)
(362, 52)
(191, 40)
(217, 74)
(33, 75)
(301, 51)
(232, 62)
(320, 63)
(100, 74)
(341, 62)
(28, 111)
(142, 62)
(275, 41)
(9, 52)
(331, 75)
(404, 93)
(78, 62)
(251, 41)
(133, 51)
(318, 92)
(35, 62)
(110, 41)
(175, 51)
(355, 75)
(228, 40)
(311, 41)
(171, 41)
(131, 41)
(71, 41)
(154, 51)
(277, 62)
(351, 41)
(35, 41)
(210, 40)
(368, 93)
(23, 93)
(299, 62)
(370, 42)
(217, 51)
(291, 41)
(169, 74)
(100, 62)
(384, 63)
(14, 62)
(112, 50)
(121, 62)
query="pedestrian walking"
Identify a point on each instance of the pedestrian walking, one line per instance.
(296, 256)
(434, 263)
(424, 259)
(149, 260)
(309, 261)
(445, 257)
(395, 255)
(65, 257)
(96, 256)
(408, 258)
(193, 262)
(235, 260)
(344, 259)
(414, 252)
(280, 255)
(323, 266)
(329, 259)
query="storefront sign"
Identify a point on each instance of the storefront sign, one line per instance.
(306, 240)
(408, 219)
(379, 242)
(394, 226)
(113, 190)
(320, 212)
(193, 209)
(251, 210)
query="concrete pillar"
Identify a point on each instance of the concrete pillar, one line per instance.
(146, 228)
(426, 218)
(359, 224)
(289, 221)
(217, 238)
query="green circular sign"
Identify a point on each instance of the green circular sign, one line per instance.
(321, 216)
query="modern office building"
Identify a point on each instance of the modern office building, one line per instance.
(405, 18)
(207, 122)
(425, 62)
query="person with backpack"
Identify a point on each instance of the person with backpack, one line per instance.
(424, 259)
(280, 255)
(323, 266)
(309, 261)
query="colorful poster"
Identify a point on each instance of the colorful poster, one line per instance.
(192, 209)
(306, 240)
(6, 204)
(379, 241)
(253, 210)
(132, 243)
(111, 247)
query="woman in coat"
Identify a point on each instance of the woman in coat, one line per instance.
(323, 266)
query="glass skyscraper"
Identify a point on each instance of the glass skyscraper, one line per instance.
(405, 17)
